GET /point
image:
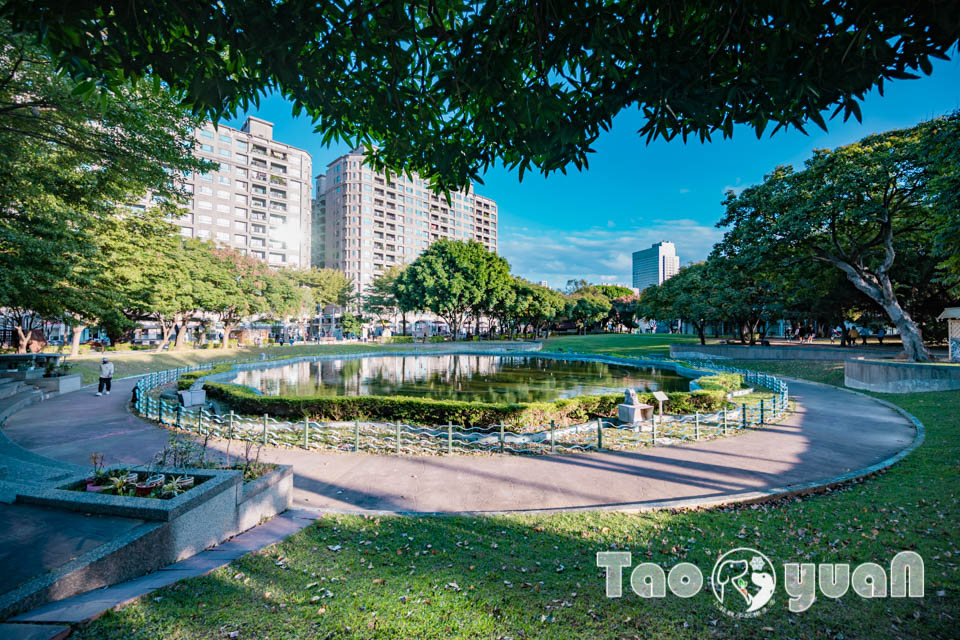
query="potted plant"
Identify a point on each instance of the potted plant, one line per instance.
(97, 482)
(170, 489)
(184, 482)
(121, 481)
(147, 487)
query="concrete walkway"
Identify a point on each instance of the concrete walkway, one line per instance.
(832, 433)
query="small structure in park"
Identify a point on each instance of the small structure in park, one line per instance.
(952, 316)
(632, 410)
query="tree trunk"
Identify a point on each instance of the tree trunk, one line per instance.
(701, 331)
(403, 321)
(882, 293)
(227, 328)
(166, 330)
(77, 331)
(181, 335)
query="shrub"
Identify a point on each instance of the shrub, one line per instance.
(564, 411)
(721, 382)
(438, 339)
(400, 340)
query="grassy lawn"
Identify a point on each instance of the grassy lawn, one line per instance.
(627, 345)
(536, 576)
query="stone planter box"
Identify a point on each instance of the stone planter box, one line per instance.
(60, 384)
(214, 510)
(218, 507)
(31, 374)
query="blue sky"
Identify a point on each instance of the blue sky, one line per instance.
(586, 224)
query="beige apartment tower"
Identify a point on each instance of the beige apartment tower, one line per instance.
(258, 200)
(372, 221)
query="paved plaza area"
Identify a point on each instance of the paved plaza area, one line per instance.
(831, 433)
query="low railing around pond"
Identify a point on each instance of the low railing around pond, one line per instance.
(399, 438)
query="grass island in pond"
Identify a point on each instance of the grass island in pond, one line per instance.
(463, 377)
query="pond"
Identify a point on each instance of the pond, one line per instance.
(480, 378)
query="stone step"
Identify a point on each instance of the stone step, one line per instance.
(24, 397)
(8, 387)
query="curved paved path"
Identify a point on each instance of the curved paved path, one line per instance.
(831, 433)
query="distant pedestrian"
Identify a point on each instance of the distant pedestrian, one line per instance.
(864, 335)
(835, 333)
(852, 336)
(881, 333)
(106, 375)
(811, 333)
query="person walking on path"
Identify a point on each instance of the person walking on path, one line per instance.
(106, 375)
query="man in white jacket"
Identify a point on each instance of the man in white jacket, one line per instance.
(106, 375)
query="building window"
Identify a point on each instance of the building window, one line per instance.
(203, 204)
(242, 199)
(207, 148)
(224, 138)
(223, 222)
(205, 190)
(240, 212)
(238, 239)
(203, 233)
(204, 219)
(206, 133)
(224, 180)
(186, 232)
(223, 237)
(223, 208)
(240, 144)
(277, 257)
(240, 226)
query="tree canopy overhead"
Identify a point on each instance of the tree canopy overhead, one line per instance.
(449, 87)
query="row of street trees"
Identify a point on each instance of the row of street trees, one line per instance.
(462, 282)
(869, 228)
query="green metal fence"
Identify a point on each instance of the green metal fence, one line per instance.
(403, 439)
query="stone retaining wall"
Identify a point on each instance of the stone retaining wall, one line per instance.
(778, 352)
(899, 377)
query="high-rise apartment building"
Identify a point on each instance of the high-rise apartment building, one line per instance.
(654, 265)
(318, 224)
(258, 200)
(374, 220)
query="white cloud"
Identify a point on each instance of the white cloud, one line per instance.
(599, 254)
(736, 190)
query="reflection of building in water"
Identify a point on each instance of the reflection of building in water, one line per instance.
(451, 376)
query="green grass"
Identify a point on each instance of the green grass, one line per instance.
(536, 576)
(627, 345)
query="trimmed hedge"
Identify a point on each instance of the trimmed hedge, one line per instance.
(400, 339)
(721, 382)
(565, 411)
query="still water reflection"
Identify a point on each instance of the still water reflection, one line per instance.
(458, 377)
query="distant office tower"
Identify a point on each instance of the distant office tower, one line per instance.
(654, 265)
(258, 200)
(374, 221)
(318, 230)
(543, 283)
